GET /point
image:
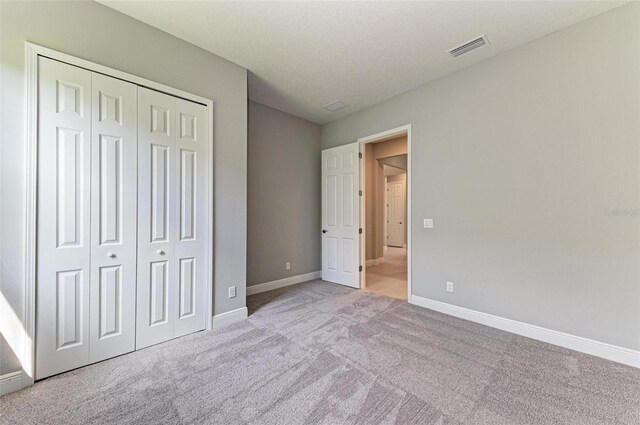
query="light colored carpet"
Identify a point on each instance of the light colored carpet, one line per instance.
(322, 353)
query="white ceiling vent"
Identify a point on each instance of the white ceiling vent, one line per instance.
(334, 106)
(474, 44)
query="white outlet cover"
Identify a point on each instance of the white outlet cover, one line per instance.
(232, 292)
(449, 286)
(428, 223)
(287, 266)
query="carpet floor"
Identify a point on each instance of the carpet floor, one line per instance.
(326, 354)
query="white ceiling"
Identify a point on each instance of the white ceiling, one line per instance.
(303, 55)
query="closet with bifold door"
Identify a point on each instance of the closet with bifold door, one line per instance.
(122, 217)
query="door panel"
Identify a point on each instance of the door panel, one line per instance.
(191, 229)
(109, 189)
(156, 209)
(348, 189)
(331, 200)
(63, 217)
(71, 164)
(159, 293)
(113, 217)
(187, 274)
(110, 302)
(341, 215)
(159, 193)
(187, 194)
(70, 287)
(172, 226)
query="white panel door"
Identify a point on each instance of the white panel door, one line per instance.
(63, 252)
(156, 222)
(190, 218)
(341, 215)
(172, 217)
(113, 217)
(395, 214)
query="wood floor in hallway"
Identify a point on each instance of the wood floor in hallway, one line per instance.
(390, 277)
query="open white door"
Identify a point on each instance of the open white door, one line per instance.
(341, 215)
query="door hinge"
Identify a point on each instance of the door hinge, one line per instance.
(360, 268)
(360, 192)
(360, 230)
(360, 155)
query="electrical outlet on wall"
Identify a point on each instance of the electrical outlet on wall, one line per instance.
(232, 292)
(449, 286)
(287, 266)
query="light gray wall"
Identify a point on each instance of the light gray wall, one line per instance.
(284, 195)
(529, 164)
(99, 34)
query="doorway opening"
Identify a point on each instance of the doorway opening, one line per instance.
(385, 213)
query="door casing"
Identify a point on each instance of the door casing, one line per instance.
(363, 141)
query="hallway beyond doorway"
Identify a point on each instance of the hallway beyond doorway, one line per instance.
(390, 277)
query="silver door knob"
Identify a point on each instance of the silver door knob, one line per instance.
(161, 252)
(111, 255)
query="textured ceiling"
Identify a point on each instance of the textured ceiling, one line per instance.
(303, 55)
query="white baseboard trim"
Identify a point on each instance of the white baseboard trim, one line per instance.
(374, 262)
(281, 283)
(11, 382)
(573, 342)
(233, 316)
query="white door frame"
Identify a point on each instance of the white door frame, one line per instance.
(32, 52)
(389, 134)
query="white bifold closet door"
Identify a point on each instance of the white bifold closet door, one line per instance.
(122, 217)
(113, 217)
(172, 222)
(87, 162)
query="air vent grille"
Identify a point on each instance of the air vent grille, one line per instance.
(467, 47)
(334, 106)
